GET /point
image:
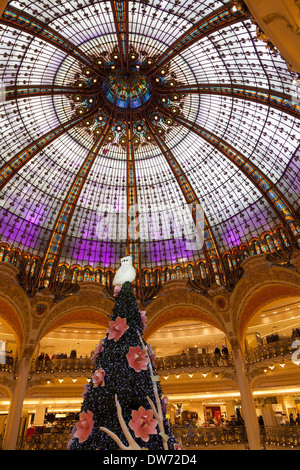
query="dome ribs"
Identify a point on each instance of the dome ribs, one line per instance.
(10, 168)
(210, 247)
(120, 13)
(57, 238)
(274, 197)
(25, 91)
(133, 243)
(226, 15)
(20, 20)
(272, 98)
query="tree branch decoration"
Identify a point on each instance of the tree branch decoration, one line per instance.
(157, 412)
(132, 445)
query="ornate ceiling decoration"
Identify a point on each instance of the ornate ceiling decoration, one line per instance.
(117, 108)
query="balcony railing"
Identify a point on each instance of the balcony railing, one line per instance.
(279, 436)
(190, 437)
(83, 365)
(210, 436)
(62, 366)
(283, 436)
(183, 362)
(47, 441)
(267, 351)
(188, 361)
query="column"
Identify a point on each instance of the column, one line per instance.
(39, 416)
(248, 408)
(229, 409)
(200, 412)
(16, 406)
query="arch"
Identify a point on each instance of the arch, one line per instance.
(5, 394)
(89, 306)
(81, 315)
(11, 317)
(261, 297)
(176, 314)
(255, 243)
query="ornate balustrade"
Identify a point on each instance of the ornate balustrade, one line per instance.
(8, 366)
(188, 361)
(85, 365)
(47, 441)
(189, 437)
(207, 436)
(62, 366)
(267, 351)
(182, 362)
(283, 436)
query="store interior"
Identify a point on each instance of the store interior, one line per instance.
(200, 398)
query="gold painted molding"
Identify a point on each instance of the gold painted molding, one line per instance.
(280, 22)
(261, 284)
(3, 4)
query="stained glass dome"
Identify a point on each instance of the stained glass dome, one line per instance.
(162, 114)
(127, 90)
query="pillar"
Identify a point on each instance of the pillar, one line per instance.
(39, 416)
(16, 406)
(248, 408)
(229, 409)
(268, 415)
(200, 412)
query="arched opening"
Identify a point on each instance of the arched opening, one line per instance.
(192, 357)
(82, 315)
(71, 340)
(277, 321)
(259, 299)
(8, 345)
(271, 340)
(175, 314)
(186, 336)
(61, 366)
(11, 329)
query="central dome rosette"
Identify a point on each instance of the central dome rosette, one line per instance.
(128, 90)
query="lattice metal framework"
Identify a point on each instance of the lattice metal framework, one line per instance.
(156, 104)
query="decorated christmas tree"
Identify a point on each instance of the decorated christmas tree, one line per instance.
(123, 406)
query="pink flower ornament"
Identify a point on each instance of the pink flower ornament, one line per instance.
(137, 358)
(98, 378)
(117, 328)
(142, 423)
(143, 318)
(84, 426)
(98, 349)
(117, 290)
(85, 390)
(178, 446)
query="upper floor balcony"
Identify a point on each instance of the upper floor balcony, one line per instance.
(189, 363)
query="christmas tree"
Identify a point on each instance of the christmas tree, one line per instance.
(123, 406)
